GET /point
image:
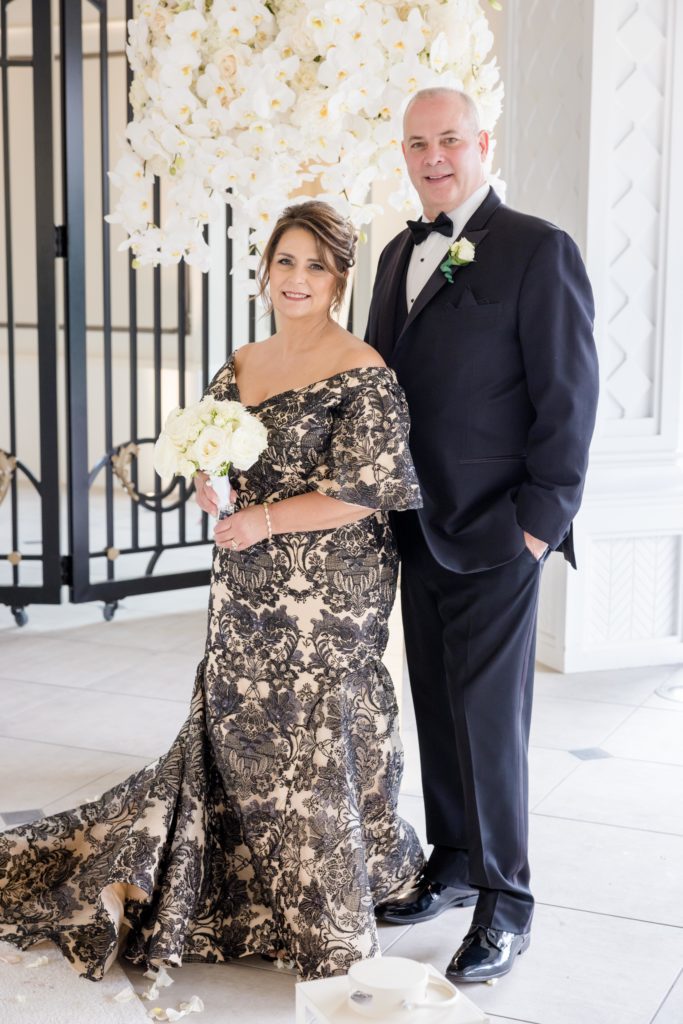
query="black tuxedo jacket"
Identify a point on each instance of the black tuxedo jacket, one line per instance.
(501, 376)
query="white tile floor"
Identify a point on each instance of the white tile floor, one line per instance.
(84, 703)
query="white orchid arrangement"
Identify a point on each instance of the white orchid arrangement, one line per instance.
(245, 101)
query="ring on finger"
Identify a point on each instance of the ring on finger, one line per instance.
(233, 545)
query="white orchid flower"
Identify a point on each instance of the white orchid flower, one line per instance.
(130, 171)
(135, 211)
(272, 99)
(143, 140)
(439, 52)
(237, 23)
(404, 38)
(296, 40)
(178, 105)
(138, 48)
(187, 27)
(177, 64)
(410, 75)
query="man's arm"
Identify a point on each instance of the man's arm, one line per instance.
(556, 335)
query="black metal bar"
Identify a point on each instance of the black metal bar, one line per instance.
(182, 314)
(25, 558)
(158, 528)
(205, 338)
(90, 328)
(9, 284)
(145, 585)
(252, 312)
(133, 328)
(106, 281)
(228, 283)
(46, 298)
(74, 280)
(142, 550)
(28, 595)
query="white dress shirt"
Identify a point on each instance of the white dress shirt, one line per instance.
(427, 256)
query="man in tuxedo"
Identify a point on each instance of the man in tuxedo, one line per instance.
(500, 372)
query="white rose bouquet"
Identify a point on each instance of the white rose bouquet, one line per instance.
(210, 436)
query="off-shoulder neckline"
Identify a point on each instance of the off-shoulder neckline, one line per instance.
(304, 387)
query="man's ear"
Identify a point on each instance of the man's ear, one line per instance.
(483, 142)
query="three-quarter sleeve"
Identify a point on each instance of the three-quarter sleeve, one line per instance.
(368, 461)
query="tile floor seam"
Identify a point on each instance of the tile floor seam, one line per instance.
(532, 810)
(604, 913)
(622, 723)
(119, 693)
(655, 711)
(128, 646)
(612, 757)
(393, 942)
(64, 686)
(70, 746)
(661, 1006)
(514, 1020)
(86, 785)
(539, 697)
(609, 824)
(643, 760)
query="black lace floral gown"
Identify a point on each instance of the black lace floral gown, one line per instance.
(270, 825)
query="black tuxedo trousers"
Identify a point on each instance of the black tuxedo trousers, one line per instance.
(470, 642)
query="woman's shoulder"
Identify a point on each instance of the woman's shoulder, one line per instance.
(252, 354)
(356, 354)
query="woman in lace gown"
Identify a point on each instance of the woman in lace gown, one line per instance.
(270, 826)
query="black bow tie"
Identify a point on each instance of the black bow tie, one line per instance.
(420, 229)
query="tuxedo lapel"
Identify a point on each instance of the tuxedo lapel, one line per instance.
(475, 230)
(438, 281)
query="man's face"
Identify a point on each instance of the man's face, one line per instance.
(444, 152)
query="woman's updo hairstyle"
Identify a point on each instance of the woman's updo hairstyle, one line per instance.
(335, 239)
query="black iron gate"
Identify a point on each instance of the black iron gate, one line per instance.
(131, 344)
(28, 319)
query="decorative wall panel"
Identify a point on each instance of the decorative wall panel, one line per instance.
(545, 112)
(636, 197)
(634, 590)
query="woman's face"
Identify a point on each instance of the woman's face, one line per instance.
(300, 286)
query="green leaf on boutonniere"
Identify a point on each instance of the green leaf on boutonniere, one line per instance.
(460, 254)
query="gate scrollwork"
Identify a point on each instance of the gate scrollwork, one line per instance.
(8, 465)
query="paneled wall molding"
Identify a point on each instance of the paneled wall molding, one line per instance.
(593, 140)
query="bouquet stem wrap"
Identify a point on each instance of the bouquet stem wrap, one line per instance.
(221, 485)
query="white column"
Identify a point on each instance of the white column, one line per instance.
(593, 140)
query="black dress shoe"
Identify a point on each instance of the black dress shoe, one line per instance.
(425, 902)
(486, 953)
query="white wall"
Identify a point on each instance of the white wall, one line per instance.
(594, 143)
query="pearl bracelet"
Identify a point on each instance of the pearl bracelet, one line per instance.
(268, 522)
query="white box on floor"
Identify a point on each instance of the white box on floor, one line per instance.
(326, 1002)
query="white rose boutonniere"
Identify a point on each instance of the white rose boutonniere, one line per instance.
(460, 254)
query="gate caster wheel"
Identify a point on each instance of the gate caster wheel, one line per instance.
(20, 616)
(109, 610)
